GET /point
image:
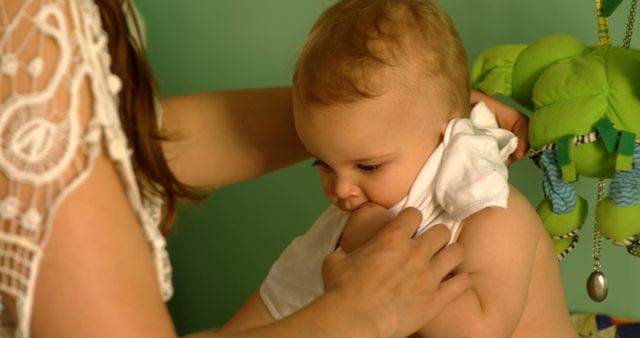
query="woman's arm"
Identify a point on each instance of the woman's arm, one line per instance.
(331, 315)
(220, 138)
(97, 277)
(83, 267)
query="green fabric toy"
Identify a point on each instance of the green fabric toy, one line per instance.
(585, 104)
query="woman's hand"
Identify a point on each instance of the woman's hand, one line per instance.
(394, 279)
(508, 118)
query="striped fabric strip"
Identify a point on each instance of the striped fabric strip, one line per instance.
(624, 185)
(535, 154)
(562, 195)
(568, 250)
(572, 233)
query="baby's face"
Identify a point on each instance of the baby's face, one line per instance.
(373, 149)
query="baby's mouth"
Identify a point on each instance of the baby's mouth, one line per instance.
(347, 206)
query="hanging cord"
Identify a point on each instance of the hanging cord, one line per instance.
(632, 18)
(597, 286)
(604, 38)
(596, 250)
(634, 248)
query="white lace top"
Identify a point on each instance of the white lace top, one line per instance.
(54, 60)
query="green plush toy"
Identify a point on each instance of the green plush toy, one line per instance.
(585, 104)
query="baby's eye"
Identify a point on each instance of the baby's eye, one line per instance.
(369, 168)
(321, 164)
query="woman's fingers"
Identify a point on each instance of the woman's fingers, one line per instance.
(450, 289)
(405, 224)
(433, 240)
(446, 261)
(521, 130)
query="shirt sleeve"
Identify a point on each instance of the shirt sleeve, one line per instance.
(295, 279)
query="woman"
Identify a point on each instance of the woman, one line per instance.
(88, 175)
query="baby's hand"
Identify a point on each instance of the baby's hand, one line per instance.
(363, 225)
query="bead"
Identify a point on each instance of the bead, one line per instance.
(597, 286)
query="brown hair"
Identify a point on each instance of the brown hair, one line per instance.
(354, 39)
(137, 109)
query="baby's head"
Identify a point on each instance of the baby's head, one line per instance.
(374, 87)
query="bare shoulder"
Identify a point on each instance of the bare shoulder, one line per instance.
(495, 231)
(499, 247)
(98, 266)
(83, 253)
(518, 215)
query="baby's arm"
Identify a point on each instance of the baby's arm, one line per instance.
(499, 248)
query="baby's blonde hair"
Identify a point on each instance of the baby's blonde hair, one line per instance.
(355, 40)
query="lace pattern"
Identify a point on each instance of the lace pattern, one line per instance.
(54, 61)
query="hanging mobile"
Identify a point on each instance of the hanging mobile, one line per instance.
(597, 286)
(634, 248)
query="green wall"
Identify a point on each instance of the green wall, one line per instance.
(223, 248)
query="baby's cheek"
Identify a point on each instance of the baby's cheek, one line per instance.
(389, 191)
(327, 184)
(328, 191)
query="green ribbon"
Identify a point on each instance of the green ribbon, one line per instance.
(610, 6)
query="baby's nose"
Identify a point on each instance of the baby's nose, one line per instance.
(348, 195)
(345, 189)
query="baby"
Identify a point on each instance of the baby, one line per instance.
(381, 100)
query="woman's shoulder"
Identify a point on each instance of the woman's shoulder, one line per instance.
(60, 138)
